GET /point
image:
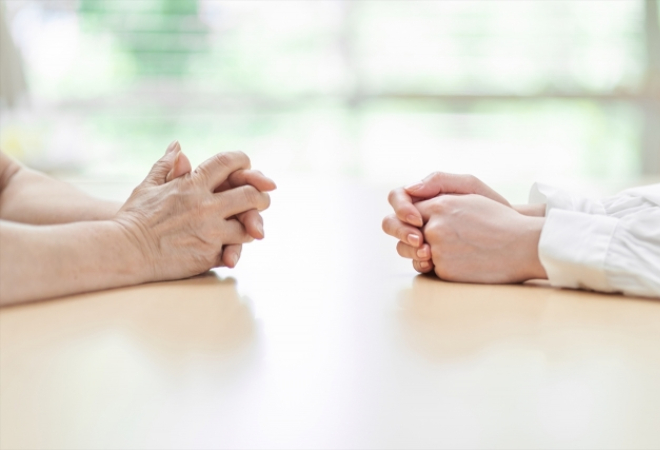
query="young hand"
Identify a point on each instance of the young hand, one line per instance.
(476, 239)
(406, 221)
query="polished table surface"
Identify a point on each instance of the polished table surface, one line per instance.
(324, 338)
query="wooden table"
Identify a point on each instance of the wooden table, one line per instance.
(324, 338)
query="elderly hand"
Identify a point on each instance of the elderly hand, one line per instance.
(475, 239)
(406, 221)
(251, 220)
(179, 221)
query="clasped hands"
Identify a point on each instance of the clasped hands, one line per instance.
(180, 222)
(461, 229)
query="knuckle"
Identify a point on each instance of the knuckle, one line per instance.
(402, 233)
(206, 208)
(473, 180)
(265, 199)
(203, 171)
(240, 157)
(436, 175)
(223, 159)
(391, 195)
(434, 233)
(208, 256)
(161, 164)
(160, 168)
(445, 203)
(437, 206)
(251, 195)
(445, 266)
(383, 224)
(443, 200)
(387, 223)
(240, 154)
(260, 200)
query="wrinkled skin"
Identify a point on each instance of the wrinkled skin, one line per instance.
(183, 222)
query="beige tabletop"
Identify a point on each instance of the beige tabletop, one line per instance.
(324, 338)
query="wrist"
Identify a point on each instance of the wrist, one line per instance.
(133, 257)
(104, 209)
(531, 266)
(535, 210)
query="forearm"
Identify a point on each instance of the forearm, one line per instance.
(31, 197)
(40, 262)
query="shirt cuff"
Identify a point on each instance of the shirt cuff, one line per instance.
(555, 198)
(573, 248)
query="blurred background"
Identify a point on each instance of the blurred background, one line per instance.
(384, 92)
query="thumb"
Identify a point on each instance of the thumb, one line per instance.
(180, 167)
(163, 166)
(448, 183)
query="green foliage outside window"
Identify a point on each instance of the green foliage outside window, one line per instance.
(160, 35)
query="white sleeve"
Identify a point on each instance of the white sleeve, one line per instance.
(555, 198)
(627, 202)
(610, 246)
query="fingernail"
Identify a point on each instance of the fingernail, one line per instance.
(423, 252)
(414, 187)
(234, 260)
(260, 227)
(424, 265)
(413, 239)
(173, 146)
(414, 220)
